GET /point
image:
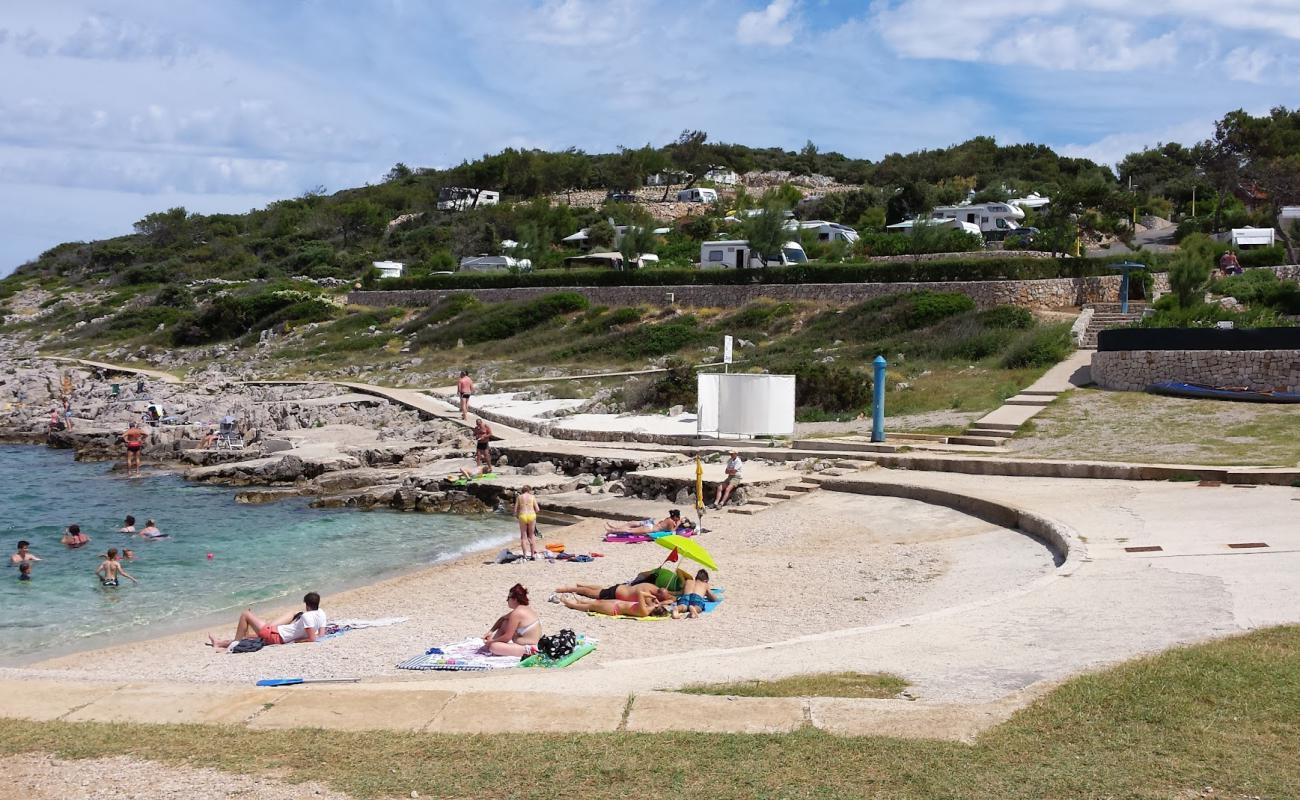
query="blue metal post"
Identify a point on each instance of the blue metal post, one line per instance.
(878, 402)
(1123, 293)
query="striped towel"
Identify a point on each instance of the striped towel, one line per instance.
(459, 657)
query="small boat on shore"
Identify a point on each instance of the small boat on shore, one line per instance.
(1237, 393)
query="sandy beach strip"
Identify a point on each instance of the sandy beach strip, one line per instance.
(815, 564)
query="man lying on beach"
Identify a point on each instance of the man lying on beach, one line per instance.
(74, 538)
(694, 594)
(646, 605)
(669, 523)
(22, 556)
(304, 626)
(620, 591)
(110, 570)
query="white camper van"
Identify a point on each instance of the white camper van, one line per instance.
(697, 196)
(495, 264)
(826, 231)
(737, 254)
(995, 220)
(458, 198)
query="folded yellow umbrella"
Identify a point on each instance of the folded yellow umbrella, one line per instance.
(687, 548)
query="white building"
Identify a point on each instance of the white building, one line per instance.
(389, 269)
(723, 176)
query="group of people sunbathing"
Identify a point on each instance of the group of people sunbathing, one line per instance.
(640, 597)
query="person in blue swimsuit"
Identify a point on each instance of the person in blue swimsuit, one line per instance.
(694, 594)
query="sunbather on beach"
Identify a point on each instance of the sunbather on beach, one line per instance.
(304, 626)
(621, 591)
(22, 556)
(668, 523)
(110, 571)
(646, 605)
(74, 538)
(517, 632)
(526, 509)
(695, 592)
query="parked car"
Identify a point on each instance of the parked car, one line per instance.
(1020, 237)
(620, 197)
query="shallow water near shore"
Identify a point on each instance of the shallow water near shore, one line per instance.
(260, 553)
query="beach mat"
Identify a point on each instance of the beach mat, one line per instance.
(459, 657)
(624, 616)
(585, 648)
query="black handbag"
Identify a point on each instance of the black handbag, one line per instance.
(558, 645)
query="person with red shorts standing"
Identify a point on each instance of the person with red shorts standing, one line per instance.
(135, 439)
(304, 626)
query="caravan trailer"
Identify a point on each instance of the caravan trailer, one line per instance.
(697, 196)
(995, 220)
(485, 263)
(737, 254)
(459, 198)
(826, 231)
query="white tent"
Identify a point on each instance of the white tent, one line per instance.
(388, 269)
(753, 405)
(1252, 237)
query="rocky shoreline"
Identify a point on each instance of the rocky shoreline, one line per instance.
(342, 449)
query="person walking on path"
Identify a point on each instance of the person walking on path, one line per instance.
(482, 443)
(465, 389)
(135, 438)
(526, 509)
(729, 484)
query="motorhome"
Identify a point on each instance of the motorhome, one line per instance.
(908, 225)
(495, 264)
(737, 254)
(826, 231)
(388, 269)
(995, 220)
(459, 198)
(697, 195)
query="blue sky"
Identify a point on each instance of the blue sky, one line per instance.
(110, 110)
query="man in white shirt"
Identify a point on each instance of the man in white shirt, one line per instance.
(729, 483)
(304, 626)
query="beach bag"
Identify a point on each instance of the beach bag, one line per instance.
(558, 645)
(247, 646)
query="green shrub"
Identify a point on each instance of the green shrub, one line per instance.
(926, 308)
(671, 388)
(448, 308)
(173, 295)
(757, 316)
(1007, 317)
(652, 341)
(1040, 347)
(230, 316)
(1261, 288)
(504, 320)
(143, 320)
(830, 387)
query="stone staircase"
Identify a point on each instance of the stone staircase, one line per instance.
(1106, 316)
(800, 487)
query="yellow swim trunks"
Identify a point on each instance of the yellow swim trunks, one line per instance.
(529, 517)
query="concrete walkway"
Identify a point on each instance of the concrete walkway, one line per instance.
(1004, 421)
(971, 663)
(165, 377)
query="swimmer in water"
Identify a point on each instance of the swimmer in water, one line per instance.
(74, 538)
(110, 570)
(128, 525)
(22, 556)
(150, 531)
(25, 571)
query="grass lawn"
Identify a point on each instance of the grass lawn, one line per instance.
(1224, 715)
(877, 685)
(1104, 425)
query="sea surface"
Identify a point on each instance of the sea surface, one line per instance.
(221, 556)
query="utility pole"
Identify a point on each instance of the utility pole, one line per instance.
(1193, 201)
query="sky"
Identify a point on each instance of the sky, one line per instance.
(112, 109)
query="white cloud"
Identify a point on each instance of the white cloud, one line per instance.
(774, 25)
(113, 39)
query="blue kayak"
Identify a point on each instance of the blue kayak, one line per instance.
(1180, 389)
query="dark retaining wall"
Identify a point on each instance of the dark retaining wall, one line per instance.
(1124, 339)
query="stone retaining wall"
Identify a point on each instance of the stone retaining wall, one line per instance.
(1048, 293)
(1134, 370)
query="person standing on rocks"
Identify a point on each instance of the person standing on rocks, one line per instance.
(465, 389)
(135, 439)
(482, 443)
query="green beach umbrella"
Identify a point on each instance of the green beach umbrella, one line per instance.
(687, 548)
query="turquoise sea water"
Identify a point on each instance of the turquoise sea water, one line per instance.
(260, 552)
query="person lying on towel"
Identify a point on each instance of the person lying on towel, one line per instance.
(621, 591)
(646, 605)
(694, 594)
(668, 523)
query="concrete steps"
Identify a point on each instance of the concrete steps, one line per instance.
(800, 488)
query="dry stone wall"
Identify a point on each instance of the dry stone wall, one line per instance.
(1045, 294)
(1134, 370)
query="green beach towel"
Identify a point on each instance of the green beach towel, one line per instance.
(544, 661)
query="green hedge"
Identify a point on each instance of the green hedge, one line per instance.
(1007, 268)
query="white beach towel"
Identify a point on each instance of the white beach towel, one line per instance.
(461, 656)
